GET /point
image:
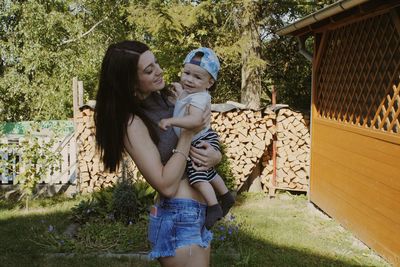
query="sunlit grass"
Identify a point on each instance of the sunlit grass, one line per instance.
(40, 207)
(285, 231)
(304, 235)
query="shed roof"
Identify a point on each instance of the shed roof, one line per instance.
(333, 13)
(65, 127)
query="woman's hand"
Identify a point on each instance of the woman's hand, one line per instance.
(204, 157)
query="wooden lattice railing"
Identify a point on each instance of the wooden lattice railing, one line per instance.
(356, 75)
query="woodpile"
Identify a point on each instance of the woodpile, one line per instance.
(292, 153)
(90, 168)
(91, 173)
(246, 134)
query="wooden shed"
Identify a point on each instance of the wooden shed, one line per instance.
(355, 129)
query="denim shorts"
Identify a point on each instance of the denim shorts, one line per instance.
(175, 223)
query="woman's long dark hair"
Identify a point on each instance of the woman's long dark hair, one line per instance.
(116, 100)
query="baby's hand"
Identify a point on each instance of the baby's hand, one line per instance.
(164, 124)
(177, 88)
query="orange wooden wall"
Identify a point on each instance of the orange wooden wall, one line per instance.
(355, 178)
(355, 145)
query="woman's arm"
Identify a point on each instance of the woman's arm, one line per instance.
(163, 178)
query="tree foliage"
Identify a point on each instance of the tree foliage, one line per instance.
(44, 43)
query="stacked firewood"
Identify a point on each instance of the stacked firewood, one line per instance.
(246, 134)
(91, 172)
(90, 168)
(293, 152)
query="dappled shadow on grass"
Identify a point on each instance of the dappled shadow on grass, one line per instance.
(257, 252)
(21, 246)
(18, 232)
(25, 241)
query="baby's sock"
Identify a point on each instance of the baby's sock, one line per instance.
(214, 213)
(227, 201)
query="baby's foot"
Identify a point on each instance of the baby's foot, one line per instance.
(214, 213)
(227, 201)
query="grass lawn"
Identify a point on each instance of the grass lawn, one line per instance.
(285, 231)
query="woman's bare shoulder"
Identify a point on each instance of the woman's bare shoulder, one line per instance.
(136, 129)
(135, 122)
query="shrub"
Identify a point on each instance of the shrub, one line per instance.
(131, 200)
(145, 196)
(225, 171)
(124, 202)
(86, 211)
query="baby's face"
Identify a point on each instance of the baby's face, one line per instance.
(195, 79)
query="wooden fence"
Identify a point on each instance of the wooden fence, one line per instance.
(63, 173)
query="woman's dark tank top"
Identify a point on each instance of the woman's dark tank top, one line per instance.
(156, 107)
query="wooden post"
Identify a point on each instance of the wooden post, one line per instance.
(77, 92)
(75, 97)
(271, 190)
(80, 94)
(273, 96)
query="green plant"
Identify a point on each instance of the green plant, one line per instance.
(117, 237)
(86, 211)
(131, 200)
(224, 169)
(226, 233)
(32, 158)
(144, 195)
(124, 202)
(104, 198)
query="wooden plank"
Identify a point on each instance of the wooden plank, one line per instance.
(367, 155)
(376, 134)
(73, 172)
(355, 178)
(366, 189)
(378, 233)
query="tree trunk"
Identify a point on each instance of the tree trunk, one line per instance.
(252, 64)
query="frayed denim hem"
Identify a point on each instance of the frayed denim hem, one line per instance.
(155, 255)
(204, 244)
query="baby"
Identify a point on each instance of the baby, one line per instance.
(199, 76)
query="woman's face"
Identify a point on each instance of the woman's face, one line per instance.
(150, 74)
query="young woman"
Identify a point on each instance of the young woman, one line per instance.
(131, 100)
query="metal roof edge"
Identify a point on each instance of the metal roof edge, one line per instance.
(319, 15)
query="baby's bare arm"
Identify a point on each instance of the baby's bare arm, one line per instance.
(193, 120)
